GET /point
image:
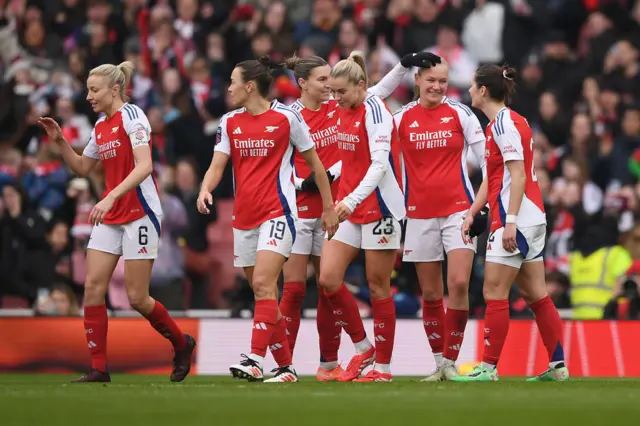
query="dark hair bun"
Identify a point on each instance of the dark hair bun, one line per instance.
(509, 73)
(266, 60)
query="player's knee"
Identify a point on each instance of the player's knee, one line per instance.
(458, 287)
(328, 282)
(432, 292)
(263, 289)
(95, 289)
(379, 287)
(493, 290)
(139, 300)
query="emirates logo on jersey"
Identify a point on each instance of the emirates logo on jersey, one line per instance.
(347, 141)
(325, 137)
(108, 150)
(254, 147)
(429, 140)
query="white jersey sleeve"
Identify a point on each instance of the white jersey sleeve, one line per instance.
(379, 127)
(472, 131)
(136, 125)
(389, 82)
(91, 150)
(379, 124)
(299, 134)
(507, 137)
(222, 136)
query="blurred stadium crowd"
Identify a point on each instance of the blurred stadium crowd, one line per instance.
(579, 87)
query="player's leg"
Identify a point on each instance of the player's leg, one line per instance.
(381, 242)
(337, 254)
(423, 247)
(460, 260)
(273, 241)
(329, 331)
(295, 278)
(140, 247)
(501, 269)
(102, 256)
(532, 285)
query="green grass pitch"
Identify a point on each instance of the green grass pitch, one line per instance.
(51, 400)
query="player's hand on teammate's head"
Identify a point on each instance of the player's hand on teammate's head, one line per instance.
(421, 60)
(343, 211)
(205, 200)
(51, 127)
(330, 221)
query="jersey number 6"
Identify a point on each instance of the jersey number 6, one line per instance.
(387, 229)
(143, 238)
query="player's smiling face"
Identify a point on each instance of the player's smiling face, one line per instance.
(100, 95)
(346, 93)
(317, 85)
(238, 89)
(433, 83)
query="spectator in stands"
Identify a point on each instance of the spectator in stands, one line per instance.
(194, 237)
(168, 276)
(22, 239)
(61, 302)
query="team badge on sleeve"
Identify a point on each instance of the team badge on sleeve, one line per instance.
(139, 136)
(219, 135)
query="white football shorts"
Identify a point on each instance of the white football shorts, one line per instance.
(426, 240)
(275, 235)
(383, 234)
(531, 241)
(134, 240)
(309, 237)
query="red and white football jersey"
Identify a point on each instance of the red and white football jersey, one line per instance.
(111, 143)
(261, 149)
(362, 131)
(509, 138)
(323, 126)
(435, 145)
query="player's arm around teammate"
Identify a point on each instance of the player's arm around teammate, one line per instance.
(518, 228)
(370, 206)
(260, 138)
(436, 135)
(126, 221)
(320, 113)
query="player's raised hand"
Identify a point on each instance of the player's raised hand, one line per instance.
(205, 199)
(100, 210)
(54, 132)
(330, 221)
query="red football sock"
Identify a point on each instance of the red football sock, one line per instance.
(550, 326)
(160, 319)
(384, 328)
(265, 318)
(346, 313)
(496, 328)
(433, 320)
(95, 331)
(279, 344)
(455, 322)
(290, 305)
(328, 329)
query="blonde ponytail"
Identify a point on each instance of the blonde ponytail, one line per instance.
(353, 68)
(116, 74)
